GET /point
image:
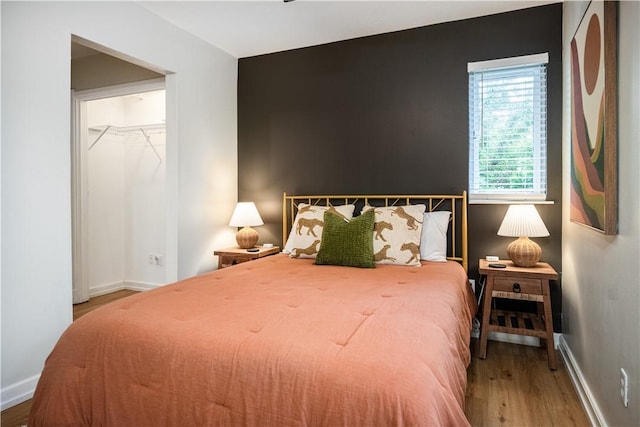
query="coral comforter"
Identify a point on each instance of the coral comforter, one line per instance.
(276, 341)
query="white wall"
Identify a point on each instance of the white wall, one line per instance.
(36, 213)
(601, 277)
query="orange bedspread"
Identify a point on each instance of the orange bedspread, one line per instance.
(276, 341)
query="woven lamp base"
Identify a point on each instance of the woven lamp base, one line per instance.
(247, 237)
(524, 252)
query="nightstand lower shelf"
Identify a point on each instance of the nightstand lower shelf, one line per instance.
(515, 322)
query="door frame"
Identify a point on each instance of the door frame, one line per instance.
(79, 174)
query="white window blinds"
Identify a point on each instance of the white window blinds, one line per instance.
(508, 129)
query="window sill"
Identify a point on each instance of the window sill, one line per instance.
(509, 202)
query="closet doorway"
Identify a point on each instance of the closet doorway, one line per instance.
(119, 189)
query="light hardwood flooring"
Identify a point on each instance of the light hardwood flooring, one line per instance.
(82, 309)
(513, 386)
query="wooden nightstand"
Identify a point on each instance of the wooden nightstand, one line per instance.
(518, 283)
(232, 256)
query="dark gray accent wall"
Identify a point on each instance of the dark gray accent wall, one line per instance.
(389, 114)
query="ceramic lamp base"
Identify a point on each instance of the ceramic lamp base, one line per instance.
(247, 238)
(524, 252)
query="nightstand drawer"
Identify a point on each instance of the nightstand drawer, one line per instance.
(232, 256)
(518, 285)
(229, 260)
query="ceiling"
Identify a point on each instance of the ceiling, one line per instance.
(249, 28)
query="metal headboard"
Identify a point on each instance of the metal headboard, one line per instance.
(457, 249)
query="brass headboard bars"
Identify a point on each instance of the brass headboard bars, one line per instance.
(456, 203)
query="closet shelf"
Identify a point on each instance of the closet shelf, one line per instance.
(144, 130)
(123, 130)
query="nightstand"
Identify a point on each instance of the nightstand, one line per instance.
(518, 283)
(232, 256)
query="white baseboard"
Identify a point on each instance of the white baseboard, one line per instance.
(582, 388)
(140, 286)
(18, 392)
(132, 285)
(523, 339)
(105, 288)
(514, 339)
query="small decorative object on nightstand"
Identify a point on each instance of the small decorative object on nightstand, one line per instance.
(232, 256)
(518, 283)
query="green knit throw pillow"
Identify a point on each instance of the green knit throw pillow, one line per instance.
(347, 243)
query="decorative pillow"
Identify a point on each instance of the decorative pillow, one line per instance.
(348, 243)
(396, 234)
(433, 242)
(306, 232)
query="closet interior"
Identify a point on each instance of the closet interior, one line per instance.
(125, 200)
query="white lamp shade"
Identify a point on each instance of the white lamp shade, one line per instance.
(522, 221)
(245, 215)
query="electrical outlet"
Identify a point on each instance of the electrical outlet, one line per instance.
(624, 388)
(473, 284)
(155, 259)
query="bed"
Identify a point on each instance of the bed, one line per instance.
(279, 341)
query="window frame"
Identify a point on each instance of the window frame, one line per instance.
(538, 192)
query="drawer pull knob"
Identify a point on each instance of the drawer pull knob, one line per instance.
(516, 288)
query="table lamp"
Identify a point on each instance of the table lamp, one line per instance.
(523, 221)
(246, 215)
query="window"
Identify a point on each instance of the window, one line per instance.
(508, 129)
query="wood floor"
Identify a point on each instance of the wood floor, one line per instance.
(513, 386)
(80, 310)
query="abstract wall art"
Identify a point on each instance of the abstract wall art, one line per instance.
(594, 119)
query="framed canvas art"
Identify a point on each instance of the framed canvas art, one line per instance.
(594, 159)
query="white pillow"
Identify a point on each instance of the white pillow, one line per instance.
(433, 242)
(306, 233)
